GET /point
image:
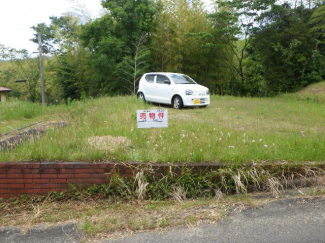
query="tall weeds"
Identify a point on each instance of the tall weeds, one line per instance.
(184, 183)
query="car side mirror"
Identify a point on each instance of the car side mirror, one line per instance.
(167, 82)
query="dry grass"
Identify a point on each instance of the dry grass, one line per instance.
(102, 218)
(142, 185)
(109, 143)
(316, 89)
(179, 194)
(314, 93)
(275, 187)
(240, 182)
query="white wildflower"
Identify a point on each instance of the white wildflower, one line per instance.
(265, 145)
(260, 140)
(253, 141)
(230, 146)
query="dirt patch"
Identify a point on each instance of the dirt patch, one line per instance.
(109, 143)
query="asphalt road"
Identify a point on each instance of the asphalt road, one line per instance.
(283, 221)
(54, 234)
(290, 220)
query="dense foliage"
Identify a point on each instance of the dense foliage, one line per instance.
(240, 47)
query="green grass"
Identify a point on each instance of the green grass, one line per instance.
(15, 113)
(231, 129)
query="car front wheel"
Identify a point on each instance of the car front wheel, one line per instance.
(141, 97)
(177, 102)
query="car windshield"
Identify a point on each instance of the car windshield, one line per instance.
(182, 79)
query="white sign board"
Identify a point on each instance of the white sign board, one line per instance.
(152, 118)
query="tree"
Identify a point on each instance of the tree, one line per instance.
(287, 50)
(178, 46)
(69, 65)
(317, 27)
(25, 67)
(73, 72)
(132, 19)
(133, 67)
(111, 41)
(105, 52)
(46, 36)
(235, 22)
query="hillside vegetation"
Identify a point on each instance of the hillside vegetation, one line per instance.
(279, 48)
(314, 92)
(233, 130)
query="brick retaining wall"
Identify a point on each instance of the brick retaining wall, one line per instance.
(18, 179)
(39, 178)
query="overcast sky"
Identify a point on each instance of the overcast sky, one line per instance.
(17, 16)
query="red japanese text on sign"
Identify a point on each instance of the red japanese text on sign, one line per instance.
(152, 118)
(143, 116)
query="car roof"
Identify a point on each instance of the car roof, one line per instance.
(164, 73)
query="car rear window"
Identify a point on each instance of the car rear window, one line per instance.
(150, 78)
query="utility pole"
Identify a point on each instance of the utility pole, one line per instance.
(41, 68)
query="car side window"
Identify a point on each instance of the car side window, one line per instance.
(150, 78)
(161, 79)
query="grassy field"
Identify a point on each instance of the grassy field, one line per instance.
(235, 130)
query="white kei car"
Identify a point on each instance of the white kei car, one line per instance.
(174, 89)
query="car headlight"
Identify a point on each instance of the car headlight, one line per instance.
(208, 92)
(188, 92)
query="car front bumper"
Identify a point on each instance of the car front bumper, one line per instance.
(190, 100)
